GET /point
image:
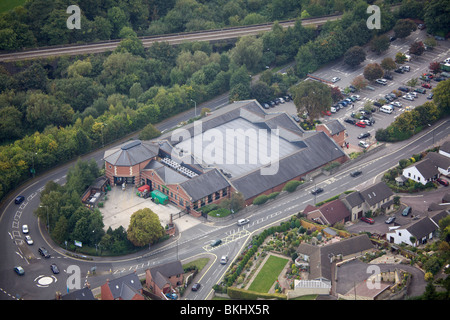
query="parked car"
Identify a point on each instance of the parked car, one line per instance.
(351, 121)
(172, 296)
(392, 38)
(442, 181)
(296, 118)
(19, 199)
(368, 220)
(426, 85)
(316, 191)
(406, 211)
(430, 96)
(399, 70)
(355, 173)
(361, 124)
(420, 90)
(335, 79)
(408, 97)
(54, 268)
(406, 68)
(397, 104)
(19, 270)
(390, 220)
(265, 106)
(363, 144)
(326, 113)
(364, 135)
(388, 76)
(241, 222)
(196, 286)
(404, 89)
(381, 81)
(224, 260)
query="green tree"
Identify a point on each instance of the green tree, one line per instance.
(380, 44)
(404, 27)
(373, 71)
(442, 96)
(354, 56)
(144, 228)
(312, 97)
(248, 51)
(437, 17)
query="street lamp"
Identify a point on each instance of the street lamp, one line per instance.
(195, 108)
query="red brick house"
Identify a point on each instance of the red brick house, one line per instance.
(127, 287)
(329, 213)
(164, 278)
(334, 129)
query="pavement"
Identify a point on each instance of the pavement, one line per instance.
(121, 204)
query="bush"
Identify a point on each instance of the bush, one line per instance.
(292, 185)
(260, 200)
(222, 212)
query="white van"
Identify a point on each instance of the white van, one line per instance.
(386, 109)
(333, 109)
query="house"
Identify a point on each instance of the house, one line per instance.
(329, 213)
(164, 278)
(335, 130)
(429, 168)
(82, 294)
(378, 196)
(127, 287)
(445, 149)
(318, 260)
(414, 234)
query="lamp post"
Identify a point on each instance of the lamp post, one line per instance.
(195, 108)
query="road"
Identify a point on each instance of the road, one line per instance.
(207, 35)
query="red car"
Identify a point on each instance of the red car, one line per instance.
(368, 220)
(361, 124)
(426, 85)
(442, 181)
(326, 113)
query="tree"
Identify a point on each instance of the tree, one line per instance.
(373, 71)
(380, 44)
(354, 56)
(388, 64)
(412, 82)
(417, 48)
(144, 228)
(437, 17)
(435, 67)
(312, 97)
(404, 27)
(248, 51)
(261, 91)
(442, 96)
(359, 82)
(149, 132)
(400, 57)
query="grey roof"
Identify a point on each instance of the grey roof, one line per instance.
(205, 184)
(335, 126)
(439, 160)
(376, 193)
(354, 199)
(320, 266)
(319, 151)
(161, 273)
(125, 287)
(445, 147)
(436, 216)
(427, 168)
(82, 294)
(131, 153)
(421, 228)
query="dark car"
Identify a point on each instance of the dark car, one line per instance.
(399, 70)
(388, 77)
(271, 103)
(406, 211)
(44, 252)
(265, 106)
(368, 220)
(430, 96)
(19, 270)
(390, 220)
(442, 181)
(196, 286)
(376, 103)
(54, 268)
(317, 191)
(215, 243)
(19, 199)
(404, 89)
(351, 121)
(355, 173)
(364, 135)
(420, 90)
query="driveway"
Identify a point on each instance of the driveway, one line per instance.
(355, 272)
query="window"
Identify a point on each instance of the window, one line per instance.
(210, 198)
(217, 195)
(224, 192)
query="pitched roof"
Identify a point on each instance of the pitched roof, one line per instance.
(131, 153)
(205, 184)
(334, 211)
(439, 160)
(82, 294)
(421, 228)
(445, 147)
(376, 193)
(335, 126)
(426, 168)
(354, 199)
(162, 273)
(125, 287)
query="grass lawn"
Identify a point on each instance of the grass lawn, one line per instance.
(268, 274)
(6, 5)
(200, 263)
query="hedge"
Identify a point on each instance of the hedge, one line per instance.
(292, 185)
(242, 294)
(260, 200)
